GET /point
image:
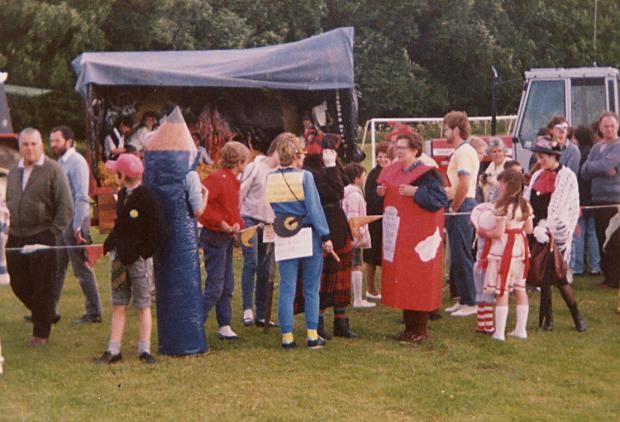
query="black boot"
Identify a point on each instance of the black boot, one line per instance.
(321, 329)
(341, 328)
(547, 324)
(580, 323)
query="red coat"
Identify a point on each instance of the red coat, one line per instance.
(223, 200)
(411, 278)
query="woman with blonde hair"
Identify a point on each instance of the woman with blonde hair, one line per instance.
(295, 201)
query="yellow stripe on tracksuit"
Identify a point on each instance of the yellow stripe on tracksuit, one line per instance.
(279, 191)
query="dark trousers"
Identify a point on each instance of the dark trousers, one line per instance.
(610, 262)
(32, 279)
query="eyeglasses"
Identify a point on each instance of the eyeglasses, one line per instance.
(563, 126)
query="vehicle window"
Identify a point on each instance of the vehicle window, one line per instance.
(588, 100)
(545, 99)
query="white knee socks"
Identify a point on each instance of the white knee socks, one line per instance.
(356, 284)
(501, 315)
(520, 330)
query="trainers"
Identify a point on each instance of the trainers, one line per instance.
(147, 358)
(363, 304)
(319, 343)
(88, 319)
(226, 333)
(453, 308)
(289, 346)
(248, 317)
(108, 358)
(465, 310)
(373, 297)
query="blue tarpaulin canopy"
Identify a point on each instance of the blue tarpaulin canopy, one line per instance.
(321, 62)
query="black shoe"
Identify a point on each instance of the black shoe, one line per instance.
(434, 315)
(147, 358)
(289, 346)
(319, 343)
(55, 319)
(88, 319)
(342, 329)
(547, 324)
(108, 358)
(580, 323)
(321, 329)
(261, 323)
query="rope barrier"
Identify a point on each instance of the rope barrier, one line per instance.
(28, 249)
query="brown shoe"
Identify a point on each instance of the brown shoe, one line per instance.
(38, 341)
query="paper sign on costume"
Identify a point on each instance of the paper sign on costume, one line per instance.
(427, 248)
(285, 187)
(268, 233)
(297, 246)
(391, 221)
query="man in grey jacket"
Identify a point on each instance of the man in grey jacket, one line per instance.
(40, 204)
(603, 168)
(75, 168)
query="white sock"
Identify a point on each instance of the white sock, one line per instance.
(501, 315)
(520, 329)
(114, 347)
(356, 284)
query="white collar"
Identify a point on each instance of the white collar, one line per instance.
(38, 163)
(68, 153)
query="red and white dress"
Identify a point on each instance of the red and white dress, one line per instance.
(507, 257)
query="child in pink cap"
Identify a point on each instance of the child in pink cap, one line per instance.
(137, 233)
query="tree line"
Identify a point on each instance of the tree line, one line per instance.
(412, 57)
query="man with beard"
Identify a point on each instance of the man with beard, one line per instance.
(75, 168)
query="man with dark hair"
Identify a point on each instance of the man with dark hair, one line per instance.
(558, 131)
(39, 201)
(76, 170)
(462, 173)
(114, 144)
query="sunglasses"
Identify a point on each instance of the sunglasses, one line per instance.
(563, 126)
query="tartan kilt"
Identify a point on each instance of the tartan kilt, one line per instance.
(335, 281)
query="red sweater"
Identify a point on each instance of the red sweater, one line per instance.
(223, 202)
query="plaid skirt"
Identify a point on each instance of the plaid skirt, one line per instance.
(335, 281)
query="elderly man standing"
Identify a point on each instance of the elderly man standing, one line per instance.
(602, 168)
(75, 168)
(40, 203)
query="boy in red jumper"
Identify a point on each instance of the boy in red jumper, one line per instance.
(221, 220)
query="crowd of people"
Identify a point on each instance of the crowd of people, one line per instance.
(325, 224)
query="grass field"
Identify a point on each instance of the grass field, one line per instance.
(456, 375)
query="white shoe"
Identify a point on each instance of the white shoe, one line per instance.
(514, 333)
(370, 296)
(453, 308)
(226, 333)
(465, 310)
(363, 304)
(248, 317)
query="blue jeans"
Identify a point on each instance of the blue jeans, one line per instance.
(218, 248)
(257, 262)
(586, 239)
(461, 235)
(312, 267)
(84, 275)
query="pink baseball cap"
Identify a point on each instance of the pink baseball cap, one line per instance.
(128, 164)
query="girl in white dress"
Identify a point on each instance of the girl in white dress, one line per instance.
(507, 257)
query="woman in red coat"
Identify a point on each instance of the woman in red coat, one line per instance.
(414, 199)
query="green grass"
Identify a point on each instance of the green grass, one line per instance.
(456, 375)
